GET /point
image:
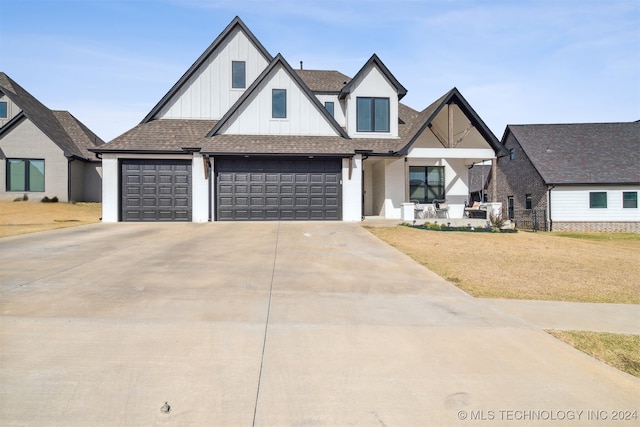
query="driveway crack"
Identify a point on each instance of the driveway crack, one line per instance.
(266, 325)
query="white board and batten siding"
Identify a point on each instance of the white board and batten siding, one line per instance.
(373, 84)
(254, 117)
(208, 93)
(571, 203)
(339, 112)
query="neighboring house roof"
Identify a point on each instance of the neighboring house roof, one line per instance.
(236, 22)
(279, 60)
(73, 137)
(589, 153)
(479, 178)
(427, 115)
(324, 82)
(374, 60)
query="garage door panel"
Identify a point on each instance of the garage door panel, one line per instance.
(155, 190)
(278, 189)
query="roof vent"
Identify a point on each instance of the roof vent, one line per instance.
(301, 65)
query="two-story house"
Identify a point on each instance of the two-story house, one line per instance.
(244, 136)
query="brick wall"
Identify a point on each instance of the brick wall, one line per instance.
(517, 178)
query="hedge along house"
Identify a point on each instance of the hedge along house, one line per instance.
(44, 152)
(244, 136)
(574, 177)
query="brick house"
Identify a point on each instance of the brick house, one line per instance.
(579, 177)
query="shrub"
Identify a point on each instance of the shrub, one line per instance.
(24, 198)
(54, 199)
(496, 221)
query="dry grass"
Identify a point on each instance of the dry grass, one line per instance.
(543, 266)
(29, 217)
(618, 350)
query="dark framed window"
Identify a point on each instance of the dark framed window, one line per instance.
(511, 208)
(629, 199)
(373, 114)
(598, 199)
(329, 106)
(512, 154)
(3, 110)
(238, 75)
(527, 201)
(279, 103)
(426, 183)
(25, 175)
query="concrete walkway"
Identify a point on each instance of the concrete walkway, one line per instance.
(271, 324)
(616, 318)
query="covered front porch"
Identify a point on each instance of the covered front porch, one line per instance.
(436, 188)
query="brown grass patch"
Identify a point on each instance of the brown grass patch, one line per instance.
(540, 266)
(618, 350)
(29, 217)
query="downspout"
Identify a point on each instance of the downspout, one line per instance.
(551, 187)
(208, 166)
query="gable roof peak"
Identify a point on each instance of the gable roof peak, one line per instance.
(374, 61)
(426, 116)
(278, 60)
(235, 22)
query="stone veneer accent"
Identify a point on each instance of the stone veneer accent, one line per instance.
(625, 227)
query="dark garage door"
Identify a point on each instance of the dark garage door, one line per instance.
(155, 190)
(263, 189)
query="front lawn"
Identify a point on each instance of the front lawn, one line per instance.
(525, 265)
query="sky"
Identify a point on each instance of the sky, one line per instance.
(109, 62)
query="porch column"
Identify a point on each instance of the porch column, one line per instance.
(406, 180)
(494, 185)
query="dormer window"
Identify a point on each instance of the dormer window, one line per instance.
(372, 114)
(238, 75)
(329, 106)
(3, 110)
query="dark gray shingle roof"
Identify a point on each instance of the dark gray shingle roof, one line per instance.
(324, 81)
(170, 135)
(583, 153)
(162, 135)
(61, 127)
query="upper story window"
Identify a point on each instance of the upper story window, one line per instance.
(630, 199)
(25, 175)
(372, 114)
(528, 202)
(238, 75)
(512, 154)
(279, 103)
(329, 106)
(597, 199)
(3, 110)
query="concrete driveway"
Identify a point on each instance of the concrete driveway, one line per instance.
(271, 324)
